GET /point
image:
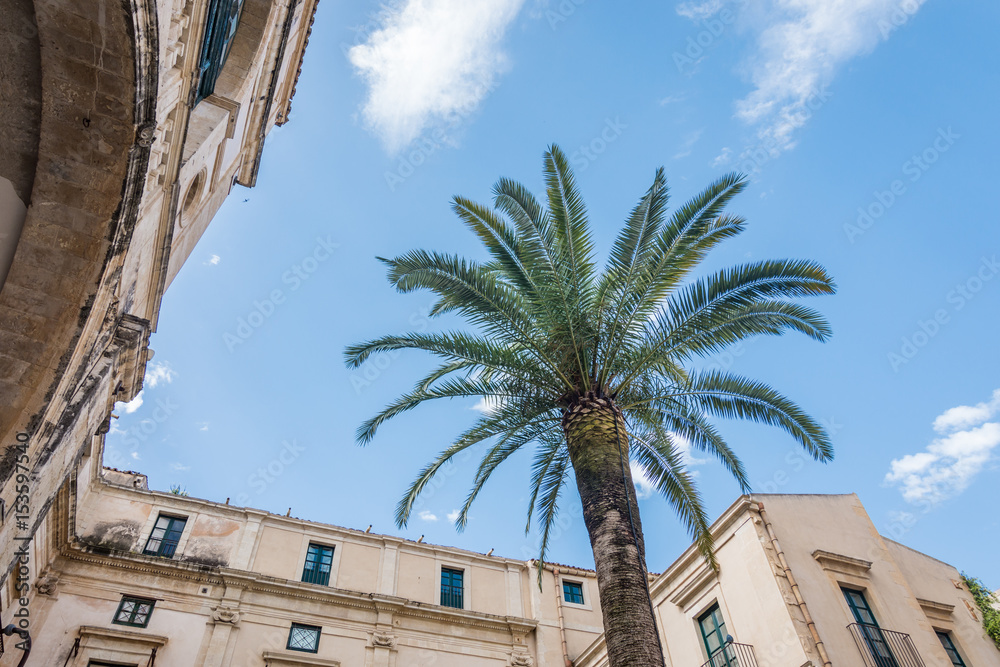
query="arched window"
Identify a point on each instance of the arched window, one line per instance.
(220, 28)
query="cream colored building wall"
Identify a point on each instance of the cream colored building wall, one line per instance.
(807, 525)
(947, 603)
(756, 610)
(232, 590)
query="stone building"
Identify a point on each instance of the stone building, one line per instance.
(127, 576)
(126, 124)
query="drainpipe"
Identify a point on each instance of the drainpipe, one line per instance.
(562, 625)
(800, 601)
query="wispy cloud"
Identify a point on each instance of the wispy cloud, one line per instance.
(453, 516)
(699, 11)
(486, 406)
(157, 373)
(800, 50)
(948, 465)
(133, 405)
(799, 47)
(425, 515)
(213, 260)
(430, 63)
(644, 487)
(689, 141)
(723, 158)
(180, 467)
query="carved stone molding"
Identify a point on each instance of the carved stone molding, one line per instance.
(46, 584)
(223, 614)
(383, 639)
(840, 564)
(521, 660)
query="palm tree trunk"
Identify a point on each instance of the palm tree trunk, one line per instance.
(610, 512)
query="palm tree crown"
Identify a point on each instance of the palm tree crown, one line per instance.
(552, 337)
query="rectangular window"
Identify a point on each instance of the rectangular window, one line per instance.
(319, 560)
(713, 633)
(573, 592)
(304, 638)
(165, 536)
(949, 647)
(451, 588)
(870, 630)
(134, 611)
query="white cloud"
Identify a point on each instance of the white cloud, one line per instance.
(723, 157)
(424, 515)
(135, 455)
(699, 11)
(487, 406)
(453, 516)
(179, 467)
(671, 99)
(967, 415)
(202, 426)
(948, 465)
(644, 487)
(430, 63)
(213, 260)
(134, 404)
(800, 45)
(689, 141)
(157, 373)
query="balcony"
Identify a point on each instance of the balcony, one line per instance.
(884, 648)
(733, 655)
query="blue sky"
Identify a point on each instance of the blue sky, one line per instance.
(869, 128)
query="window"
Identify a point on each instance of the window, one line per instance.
(319, 560)
(451, 588)
(870, 630)
(223, 17)
(949, 647)
(134, 611)
(713, 633)
(304, 638)
(573, 592)
(165, 536)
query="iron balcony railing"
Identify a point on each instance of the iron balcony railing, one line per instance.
(733, 655)
(884, 648)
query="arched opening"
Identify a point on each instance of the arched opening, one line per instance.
(192, 198)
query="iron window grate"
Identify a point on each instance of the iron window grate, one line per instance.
(451, 588)
(134, 612)
(319, 561)
(304, 638)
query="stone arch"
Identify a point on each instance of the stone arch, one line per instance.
(98, 67)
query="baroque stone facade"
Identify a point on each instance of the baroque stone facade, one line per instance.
(113, 160)
(238, 587)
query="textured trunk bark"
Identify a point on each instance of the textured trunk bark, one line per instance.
(620, 558)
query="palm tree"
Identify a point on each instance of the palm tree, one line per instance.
(594, 369)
